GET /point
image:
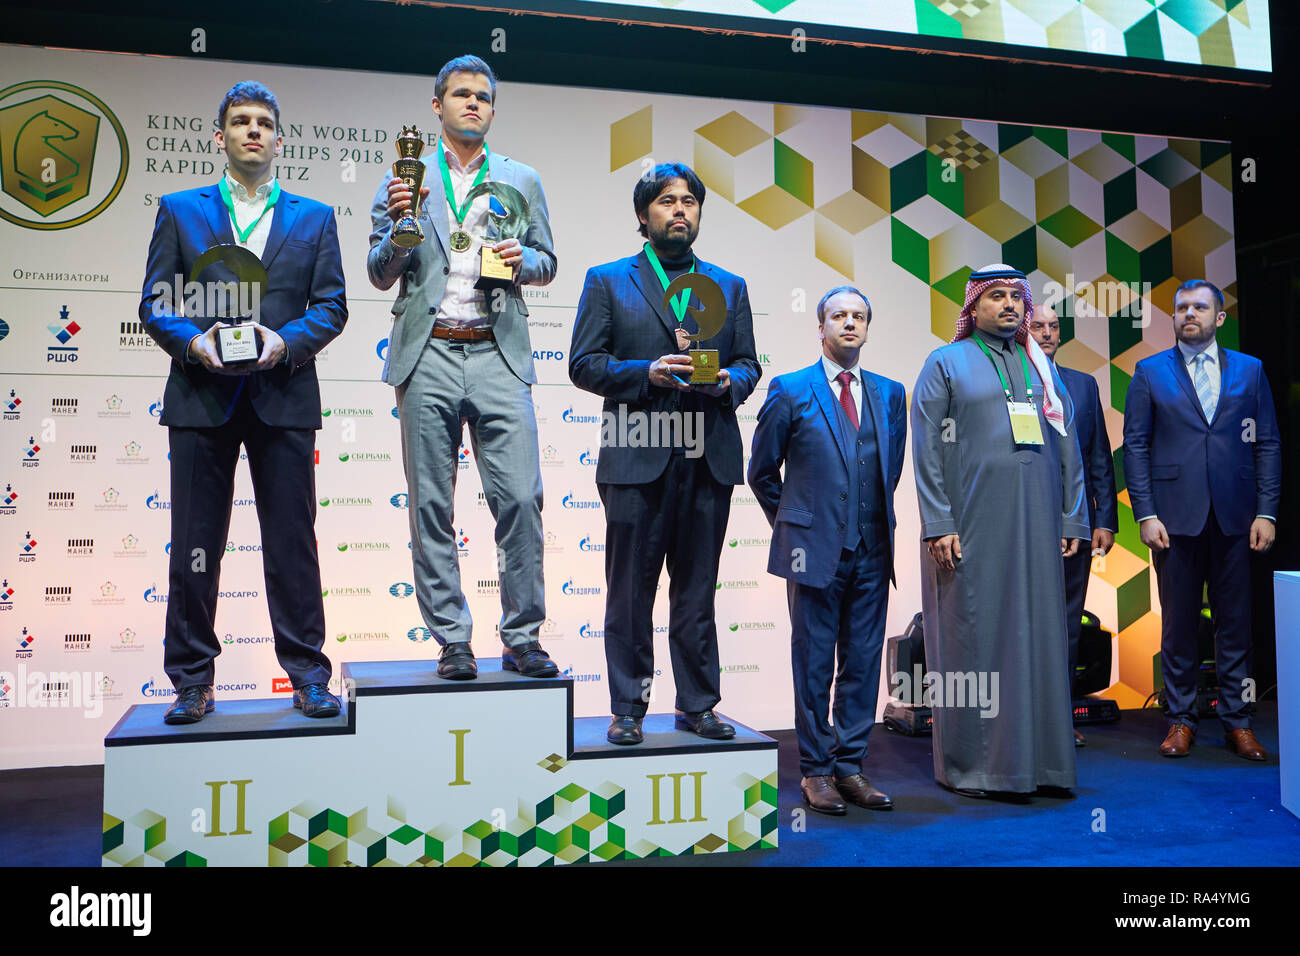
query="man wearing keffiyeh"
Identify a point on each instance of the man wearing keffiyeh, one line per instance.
(999, 480)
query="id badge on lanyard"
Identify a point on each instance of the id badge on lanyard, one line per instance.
(1025, 426)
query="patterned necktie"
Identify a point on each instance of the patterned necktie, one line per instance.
(846, 398)
(1201, 379)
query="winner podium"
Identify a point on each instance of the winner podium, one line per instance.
(421, 771)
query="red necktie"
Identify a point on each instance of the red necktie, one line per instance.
(846, 398)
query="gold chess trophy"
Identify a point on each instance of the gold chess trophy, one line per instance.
(408, 168)
(710, 318)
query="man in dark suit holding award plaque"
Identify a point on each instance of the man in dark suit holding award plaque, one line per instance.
(285, 250)
(670, 451)
(460, 354)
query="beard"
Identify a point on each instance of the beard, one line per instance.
(675, 244)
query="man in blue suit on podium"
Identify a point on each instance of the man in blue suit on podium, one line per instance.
(841, 432)
(1098, 478)
(271, 408)
(1203, 462)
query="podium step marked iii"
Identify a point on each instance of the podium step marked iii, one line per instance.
(419, 771)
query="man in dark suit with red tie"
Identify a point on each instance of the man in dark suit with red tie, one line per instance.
(1098, 478)
(1202, 459)
(271, 408)
(840, 432)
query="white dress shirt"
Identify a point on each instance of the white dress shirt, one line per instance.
(855, 384)
(247, 209)
(462, 305)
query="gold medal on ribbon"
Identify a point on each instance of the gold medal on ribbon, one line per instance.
(460, 241)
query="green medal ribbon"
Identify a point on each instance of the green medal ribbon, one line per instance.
(679, 303)
(1006, 386)
(462, 210)
(243, 234)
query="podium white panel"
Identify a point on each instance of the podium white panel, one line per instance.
(426, 772)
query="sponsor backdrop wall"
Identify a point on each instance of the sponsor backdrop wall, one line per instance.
(801, 199)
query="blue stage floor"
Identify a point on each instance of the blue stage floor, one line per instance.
(1208, 809)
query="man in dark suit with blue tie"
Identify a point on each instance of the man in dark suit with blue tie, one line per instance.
(271, 408)
(670, 451)
(1098, 477)
(841, 432)
(1203, 463)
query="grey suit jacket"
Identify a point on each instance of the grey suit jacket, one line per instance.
(423, 272)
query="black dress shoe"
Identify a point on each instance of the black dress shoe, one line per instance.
(705, 724)
(315, 700)
(856, 788)
(820, 794)
(456, 662)
(975, 793)
(528, 659)
(624, 730)
(191, 705)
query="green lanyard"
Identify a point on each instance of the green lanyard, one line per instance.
(1006, 386)
(243, 234)
(461, 210)
(679, 303)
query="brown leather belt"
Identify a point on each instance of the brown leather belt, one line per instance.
(462, 335)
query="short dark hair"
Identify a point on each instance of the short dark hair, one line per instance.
(653, 183)
(1193, 284)
(821, 306)
(464, 64)
(248, 91)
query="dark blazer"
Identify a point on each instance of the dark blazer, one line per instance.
(622, 326)
(304, 303)
(1094, 444)
(797, 426)
(1176, 463)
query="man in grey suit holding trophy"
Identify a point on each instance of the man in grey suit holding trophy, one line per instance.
(459, 354)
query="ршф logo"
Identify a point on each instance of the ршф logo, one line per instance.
(48, 148)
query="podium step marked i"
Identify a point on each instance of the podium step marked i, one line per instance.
(420, 771)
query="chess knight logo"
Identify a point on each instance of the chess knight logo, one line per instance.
(50, 143)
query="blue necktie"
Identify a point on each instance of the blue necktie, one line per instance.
(1201, 379)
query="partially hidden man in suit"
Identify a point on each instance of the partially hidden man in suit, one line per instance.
(1098, 478)
(457, 357)
(665, 484)
(1203, 463)
(272, 409)
(841, 432)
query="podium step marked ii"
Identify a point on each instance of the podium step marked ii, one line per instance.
(419, 771)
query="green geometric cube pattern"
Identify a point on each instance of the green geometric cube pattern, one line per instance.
(142, 841)
(572, 825)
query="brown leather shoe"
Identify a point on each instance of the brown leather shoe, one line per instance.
(1242, 742)
(1178, 741)
(858, 789)
(1079, 740)
(820, 794)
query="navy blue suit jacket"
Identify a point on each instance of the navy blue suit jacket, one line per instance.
(622, 326)
(1094, 443)
(1176, 463)
(808, 509)
(304, 302)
